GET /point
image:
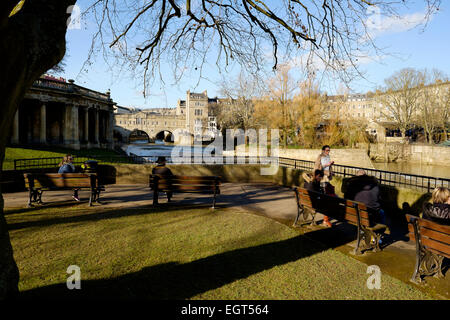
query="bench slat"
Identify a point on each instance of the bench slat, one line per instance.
(186, 178)
(179, 182)
(443, 249)
(185, 187)
(56, 180)
(435, 235)
(434, 225)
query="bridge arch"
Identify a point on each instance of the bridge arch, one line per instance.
(165, 135)
(137, 135)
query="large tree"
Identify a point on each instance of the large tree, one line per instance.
(145, 32)
(31, 41)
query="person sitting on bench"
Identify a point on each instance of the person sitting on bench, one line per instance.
(66, 166)
(315, 184)
(364, 188)
(439, 210)
(163, 171)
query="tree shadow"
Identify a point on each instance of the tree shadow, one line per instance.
(112, 213)
(183, 281)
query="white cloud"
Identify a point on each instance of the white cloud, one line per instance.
(378, 25)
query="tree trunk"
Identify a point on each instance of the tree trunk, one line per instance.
(32, 41)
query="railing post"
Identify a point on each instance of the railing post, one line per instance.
(428, 188)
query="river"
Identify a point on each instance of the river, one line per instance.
(415, 168)
(152, 150)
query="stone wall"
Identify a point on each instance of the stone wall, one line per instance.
(396, 201)
(413, 153)
(348, 157)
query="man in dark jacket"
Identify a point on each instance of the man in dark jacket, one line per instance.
(162, 170)
(363, 188)
(313, 183)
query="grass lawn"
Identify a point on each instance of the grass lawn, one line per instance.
(182, 253)
(47, 152)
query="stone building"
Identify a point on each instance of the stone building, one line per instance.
(56, 112)
(192, 117)
(369, 108)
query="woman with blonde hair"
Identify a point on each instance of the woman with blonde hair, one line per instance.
(439, 210)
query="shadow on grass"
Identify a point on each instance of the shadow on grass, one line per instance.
(184, 281)
(99, 214)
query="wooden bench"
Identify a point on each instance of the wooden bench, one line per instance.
(432, 245)
(184, 184)
(369, 231)
(37, 183)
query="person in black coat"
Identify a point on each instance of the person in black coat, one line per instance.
(439, 210)
(365, 189)
(312, 183)
(162, 170)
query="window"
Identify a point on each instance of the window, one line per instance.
(198, 112)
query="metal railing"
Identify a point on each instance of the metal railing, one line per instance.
(388, 178)
(42, 163)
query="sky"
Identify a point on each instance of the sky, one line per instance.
(405, 46)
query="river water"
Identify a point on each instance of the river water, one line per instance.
(415, 168)
(152, 150)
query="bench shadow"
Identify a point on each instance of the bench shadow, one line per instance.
(187, 280)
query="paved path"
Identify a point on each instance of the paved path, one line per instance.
(262, 198)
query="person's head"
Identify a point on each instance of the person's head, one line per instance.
(441, 195)
(318, 175)
(360, 172)
(326, 149)
(161, 161)
(68, 158)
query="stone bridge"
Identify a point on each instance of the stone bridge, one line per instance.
(154, 125)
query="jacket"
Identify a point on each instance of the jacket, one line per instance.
(437, 212)
(363, 189)
(67, 168)
(311, 184)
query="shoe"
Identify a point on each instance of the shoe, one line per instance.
(327, 224)
(75, 198)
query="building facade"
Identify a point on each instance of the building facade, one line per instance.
(56, 112)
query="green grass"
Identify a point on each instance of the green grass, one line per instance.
(12, 153)
(183, 253)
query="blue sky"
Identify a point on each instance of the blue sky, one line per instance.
(409, 47)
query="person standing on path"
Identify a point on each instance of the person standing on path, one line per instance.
(323, 162)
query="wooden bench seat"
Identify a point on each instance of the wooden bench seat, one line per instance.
(432, 245)
(37, 183)
(184, 184)
(369, 231)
